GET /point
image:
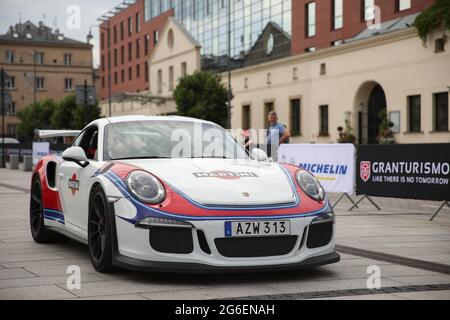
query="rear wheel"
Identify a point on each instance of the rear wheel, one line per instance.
(99, 231)
(39, 232)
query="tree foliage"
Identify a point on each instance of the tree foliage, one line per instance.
(202, 95)
(433, 18)
(62, 115)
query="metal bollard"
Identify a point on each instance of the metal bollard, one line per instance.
(27, 163)
(14, 161)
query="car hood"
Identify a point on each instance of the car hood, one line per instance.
(223, 181)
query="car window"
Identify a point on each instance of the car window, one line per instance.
(88, 141)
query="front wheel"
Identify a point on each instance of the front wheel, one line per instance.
(100, 231)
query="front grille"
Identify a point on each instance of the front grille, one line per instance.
(319, 235)
(171, 240)
(255, 247)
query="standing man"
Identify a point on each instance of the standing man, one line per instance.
(276, 134)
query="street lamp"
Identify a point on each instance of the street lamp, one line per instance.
(89, 38)
(33, 55)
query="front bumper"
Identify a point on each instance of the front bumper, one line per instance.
(133, 250)
(186, 267)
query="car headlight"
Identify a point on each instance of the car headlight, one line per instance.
(145, 187)
(310, 185)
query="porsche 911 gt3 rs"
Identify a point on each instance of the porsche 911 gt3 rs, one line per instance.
(143, 195)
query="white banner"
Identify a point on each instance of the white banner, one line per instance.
(332, 164)
(40, 149)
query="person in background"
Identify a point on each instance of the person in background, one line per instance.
(276, 131)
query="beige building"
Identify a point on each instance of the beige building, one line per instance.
(315, 93)
(41, 64)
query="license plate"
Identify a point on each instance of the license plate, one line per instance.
(257, 228)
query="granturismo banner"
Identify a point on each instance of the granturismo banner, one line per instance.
(332, 164)
(410, 171)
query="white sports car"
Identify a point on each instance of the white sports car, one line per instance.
(144, 195)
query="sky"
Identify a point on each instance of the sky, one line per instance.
(72, 17)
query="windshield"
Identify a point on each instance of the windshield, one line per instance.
(169, 139)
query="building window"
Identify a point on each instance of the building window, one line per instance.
(122, 54)
(368, 10)
(338, 14)
(68, 84)
(269, 78)
(138, 71)
(130, 51)
(183, 69)
(10, 83)
(268, 107)
(246, 83)
(103, 82)
(146, 71)
(171, 83)
(440, 102)
(159, 81)
(323, 69)
(102, 40)
(155, 37)
(67, 59)
(130, 26)
(11, 111)
(311, 49)
(246, 117)
(138, 22)
(130, 73)
(115, 34)
(337, 43)
(9, 56)
(39, 57)
(40, 83)
(146, 42)
(310, 19)
(12, 130)
(403, 5)
(122, 75)
(115, 58)
(138, 48)
(116, 78)
(295, 117)
(439, 45)
(414, 113)
(323, 125)
(122, 30)
(295, 73)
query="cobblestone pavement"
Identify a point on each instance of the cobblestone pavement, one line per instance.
(401, 230)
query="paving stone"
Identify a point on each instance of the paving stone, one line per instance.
(14, 274)
(35, 293)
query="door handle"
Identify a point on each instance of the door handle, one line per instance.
(61, 176)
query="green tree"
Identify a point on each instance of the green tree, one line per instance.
(63, 114)
(433, 18)
(35, 116)
(82, 116)
(202, 95)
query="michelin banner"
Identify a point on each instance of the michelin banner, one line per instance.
(410, 171)
(332, 164)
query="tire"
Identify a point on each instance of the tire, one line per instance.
(39, 232)
(100, 231)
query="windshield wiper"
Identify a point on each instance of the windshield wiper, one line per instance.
(137, 158)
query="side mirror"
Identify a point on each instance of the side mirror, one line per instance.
(77, 155)
(259, 155)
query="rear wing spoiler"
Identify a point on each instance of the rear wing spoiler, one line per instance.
(44, 134)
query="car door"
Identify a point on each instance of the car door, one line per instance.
(75, 181)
